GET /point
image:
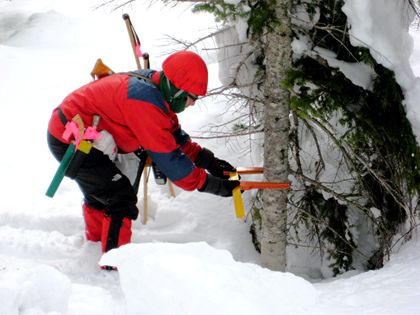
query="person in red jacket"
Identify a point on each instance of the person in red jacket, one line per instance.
(139, 111)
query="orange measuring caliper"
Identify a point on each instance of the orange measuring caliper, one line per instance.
(248, 185)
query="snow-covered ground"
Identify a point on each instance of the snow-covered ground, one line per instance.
(193, 256)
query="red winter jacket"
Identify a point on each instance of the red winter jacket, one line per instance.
(134, 112)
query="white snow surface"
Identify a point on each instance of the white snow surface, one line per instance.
(193, 256)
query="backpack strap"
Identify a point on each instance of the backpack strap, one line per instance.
(63, 118)
(138, 76)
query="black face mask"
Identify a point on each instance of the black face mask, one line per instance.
(176, 98)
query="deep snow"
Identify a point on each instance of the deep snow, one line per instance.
(193, 256)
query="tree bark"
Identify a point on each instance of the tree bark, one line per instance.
(276, 132)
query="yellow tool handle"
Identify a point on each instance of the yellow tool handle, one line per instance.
(85, 146)
(237, 197)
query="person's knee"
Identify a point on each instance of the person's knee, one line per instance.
(123, 209)
(123, 202)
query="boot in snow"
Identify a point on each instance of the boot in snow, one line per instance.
(115, 233)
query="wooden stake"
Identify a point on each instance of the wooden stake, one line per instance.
(145, 205)
(127, 20)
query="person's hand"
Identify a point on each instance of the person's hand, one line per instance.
(216, 167)
(218, 186)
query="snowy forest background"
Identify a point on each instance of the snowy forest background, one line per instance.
(354, 126)
(354, 130)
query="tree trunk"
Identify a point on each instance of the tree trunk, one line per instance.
(276, 132)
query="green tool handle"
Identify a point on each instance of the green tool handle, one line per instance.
(59, 174)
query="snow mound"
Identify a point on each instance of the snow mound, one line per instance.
(195, 278)
(37, 290)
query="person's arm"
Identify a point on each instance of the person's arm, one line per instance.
(216, 183)
(153, 129)
(188, 146)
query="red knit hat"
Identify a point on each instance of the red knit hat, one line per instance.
(187, 71)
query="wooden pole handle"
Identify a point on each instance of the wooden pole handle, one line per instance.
(126, 18)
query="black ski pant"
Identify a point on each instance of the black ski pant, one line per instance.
(103, 185)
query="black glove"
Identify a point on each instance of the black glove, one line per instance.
(218, 186)
(216, 167)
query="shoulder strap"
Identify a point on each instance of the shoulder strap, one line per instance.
(138, 75)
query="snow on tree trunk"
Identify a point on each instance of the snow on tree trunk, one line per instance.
(276, 132)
